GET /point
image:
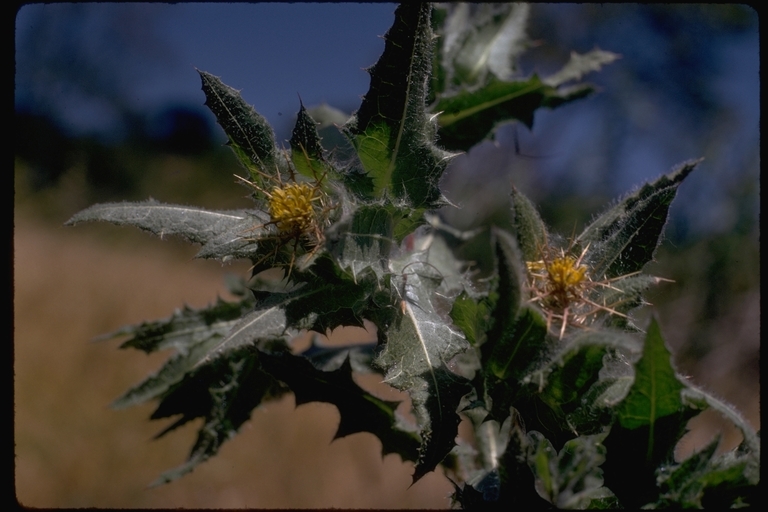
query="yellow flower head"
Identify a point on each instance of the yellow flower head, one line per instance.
(291, 209)
(565, 274)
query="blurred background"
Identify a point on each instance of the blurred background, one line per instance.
(108, 107)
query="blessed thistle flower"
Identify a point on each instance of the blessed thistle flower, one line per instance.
(562, 286)
(299, 210)
(291, 208)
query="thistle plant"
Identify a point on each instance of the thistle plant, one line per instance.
(572, 403)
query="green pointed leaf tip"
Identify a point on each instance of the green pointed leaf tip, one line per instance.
(624, 238)
(307, 153)
(530, 230)
(391, 133)
(656, 390)
(249, 133)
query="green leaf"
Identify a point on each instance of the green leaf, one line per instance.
(363, 239)
(438, 402)
(391, 132)
(571, 479)
(472, 317)
(656, 390)
(564, 381)
(192, 333)
(224, 394)
(420, 340)
(470, 116)
(267, 322)
(359, 410)
(529, 229)
(650, 422)
(196, 225)
(250, 135)
(624, 238)
(307, 153)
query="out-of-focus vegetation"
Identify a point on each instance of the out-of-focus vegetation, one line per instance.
(175, 156)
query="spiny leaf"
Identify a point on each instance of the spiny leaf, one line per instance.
(173, 371)
(391, 133)
(223, 394)
(624, 238)
(572, 478)
(194, 224)
(322, 298)
(329, 358)
(329, 296)
(250, 241)
(359, 410)
(683, 485)
(193, 333)
(515, 340)
(473, 84)
(363, 239)
(700, 399)
(267, 322)
(307, 153)
(516, 486)
(440, 401)
(566, 378)
(250, 135)
(470, 116)
(517, 333)
(419, 342)
(184, 328)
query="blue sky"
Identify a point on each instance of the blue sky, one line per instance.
(270, 51)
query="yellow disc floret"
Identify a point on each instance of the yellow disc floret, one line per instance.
(565, 273)
(291, 209)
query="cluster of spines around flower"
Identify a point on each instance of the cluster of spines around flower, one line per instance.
(299, 211)
(565, 289)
